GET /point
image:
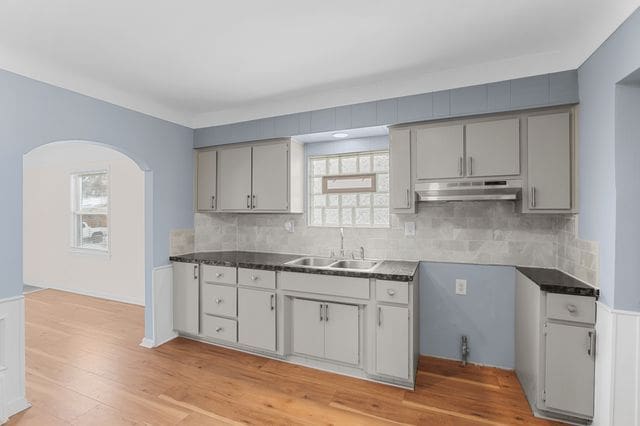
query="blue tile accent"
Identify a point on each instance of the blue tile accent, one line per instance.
(415, 108)
(442, 103)
(343, 118)
(287, 125)
(530, 91)
(498, 96)
(363, 115)
(387, 111)
(323, 120)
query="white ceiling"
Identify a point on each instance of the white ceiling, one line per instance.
(204, 62)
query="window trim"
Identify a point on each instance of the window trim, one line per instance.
(73, 248)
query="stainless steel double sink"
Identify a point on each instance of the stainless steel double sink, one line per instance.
(328, 263)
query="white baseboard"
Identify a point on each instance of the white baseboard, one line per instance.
(617, 393)
(162, 308)
(97, 294)
(12, 369)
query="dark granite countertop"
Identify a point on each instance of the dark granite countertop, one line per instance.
(555, 281)
(394, 270)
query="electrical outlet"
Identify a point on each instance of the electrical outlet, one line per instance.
(461, 287)
(288, 225)
(409, 229)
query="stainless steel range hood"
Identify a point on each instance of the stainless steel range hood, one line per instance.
(480, 190)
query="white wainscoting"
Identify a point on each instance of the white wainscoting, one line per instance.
(162, 300)
(617, 396)
(12, 374)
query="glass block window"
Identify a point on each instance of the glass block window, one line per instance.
(363, 209)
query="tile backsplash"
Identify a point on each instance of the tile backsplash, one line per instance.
(484, 232)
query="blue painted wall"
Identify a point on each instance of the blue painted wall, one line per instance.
(627, 288)
(33, 114)
(486, 314)
(530, 92)
(618, 57)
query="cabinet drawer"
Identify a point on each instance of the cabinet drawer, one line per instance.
(219, 300)
(392, 291)
(220, 328)
(571, 308)
(257, 278)
(218, 274)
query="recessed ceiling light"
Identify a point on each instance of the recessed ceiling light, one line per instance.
(340, 135)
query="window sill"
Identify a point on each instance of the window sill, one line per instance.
(90, 252)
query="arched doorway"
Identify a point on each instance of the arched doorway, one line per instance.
(84, 221)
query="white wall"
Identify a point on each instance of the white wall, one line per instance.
(48, 260)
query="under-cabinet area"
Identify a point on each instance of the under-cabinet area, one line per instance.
(356, 324)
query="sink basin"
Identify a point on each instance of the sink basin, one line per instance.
(311, 262)
(354, 264)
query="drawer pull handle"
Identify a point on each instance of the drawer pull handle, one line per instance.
(218, 329)
(591, 344)
(254, 278)
(218, 300)
(391, 291)
(219, 274)
(572, 308)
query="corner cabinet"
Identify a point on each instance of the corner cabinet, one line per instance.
(259, 177)
(186, 291)
(555, 350)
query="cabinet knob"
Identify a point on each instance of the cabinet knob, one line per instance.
(391, 291)
(218, 301)
(254, 278)
(219, 275)
(218, 329)
(572, 308)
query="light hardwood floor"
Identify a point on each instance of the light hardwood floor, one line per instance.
(85, 367)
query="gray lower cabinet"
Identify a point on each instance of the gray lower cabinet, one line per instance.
(569, 368)
(392, 341)
(326, 330)
(549, 162)
(555, 350)
(186, 290)
(257, 318)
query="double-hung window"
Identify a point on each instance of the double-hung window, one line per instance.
(349, 190)
(90, 210)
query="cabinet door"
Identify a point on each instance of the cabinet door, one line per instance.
(234, 178)
(439, 152)
(341, 342)
(493, 148)
(308, 327)
(570, 368)
(392, 341)
(270, 177)
(185, 297)
(549, 161)
(402, 198)
(206, 180)
(257, 318)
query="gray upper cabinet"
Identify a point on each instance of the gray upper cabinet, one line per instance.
(270, 177)
(206, 174)
(439, 152)
(402, 198)
(493, 148)
(549, 162)
(258, 177)
(235, 179)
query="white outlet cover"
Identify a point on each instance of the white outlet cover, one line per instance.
(409, 229)
(288, 225)
(461, 287)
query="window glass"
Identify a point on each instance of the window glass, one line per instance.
(90, 211)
